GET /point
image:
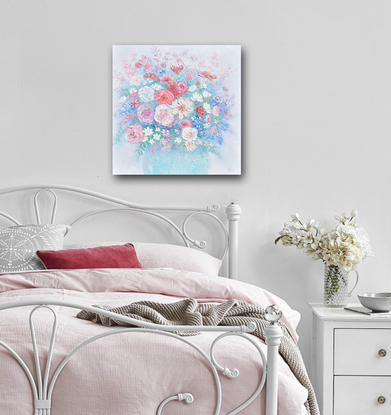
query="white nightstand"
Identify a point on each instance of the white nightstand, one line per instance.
(351, 361)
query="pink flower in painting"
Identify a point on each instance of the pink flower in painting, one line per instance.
(176, 68)
(134, 103)
(167, 79)
(207, 118)
(190, 75)
(164, 97)
(134, 134)
(185, 123)
(128, 117)
(200, 110)
(180, 88)
(146, 113)
(216, 111)
(164, 116)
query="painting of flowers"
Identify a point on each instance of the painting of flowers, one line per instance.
(176, 110)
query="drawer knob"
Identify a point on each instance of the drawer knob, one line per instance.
(381, 400)
(382, 352)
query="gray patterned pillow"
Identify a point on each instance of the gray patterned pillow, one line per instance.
(19, 244)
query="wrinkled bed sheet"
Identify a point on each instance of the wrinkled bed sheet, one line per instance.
(133, 372)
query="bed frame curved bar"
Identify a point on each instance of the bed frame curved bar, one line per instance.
(230, 232)
(43, 393)
(4, 215)
(147, 212)
(102, 196)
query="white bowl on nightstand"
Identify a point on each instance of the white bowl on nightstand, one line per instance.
(376, 301)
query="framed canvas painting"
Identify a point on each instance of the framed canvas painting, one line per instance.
(176, 110)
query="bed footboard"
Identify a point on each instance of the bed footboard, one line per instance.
(42, 387)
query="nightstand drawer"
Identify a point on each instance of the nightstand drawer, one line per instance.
(362, 352)
(366, 395)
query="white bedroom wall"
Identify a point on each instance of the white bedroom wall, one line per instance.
(316, 99)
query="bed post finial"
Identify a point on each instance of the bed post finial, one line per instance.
(233, 212)
(273, 334)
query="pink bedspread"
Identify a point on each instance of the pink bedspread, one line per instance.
(132, 373)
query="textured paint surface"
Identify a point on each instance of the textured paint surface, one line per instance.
(176, 110)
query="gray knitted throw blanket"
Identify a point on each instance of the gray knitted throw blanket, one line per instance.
(229, 313)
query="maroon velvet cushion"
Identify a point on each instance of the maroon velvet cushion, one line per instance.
(117, 256)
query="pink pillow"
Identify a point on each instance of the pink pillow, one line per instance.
(118, 256)
(154, 255)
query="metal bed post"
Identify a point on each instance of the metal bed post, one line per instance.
(273, 334)
(233, 211)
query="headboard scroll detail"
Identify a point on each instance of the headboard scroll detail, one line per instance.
(229, 237)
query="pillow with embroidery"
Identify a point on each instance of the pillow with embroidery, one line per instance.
(19, 244)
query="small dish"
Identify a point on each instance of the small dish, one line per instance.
(379, 302)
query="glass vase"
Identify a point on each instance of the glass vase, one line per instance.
(336, 283)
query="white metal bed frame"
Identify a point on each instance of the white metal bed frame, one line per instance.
(42, 387)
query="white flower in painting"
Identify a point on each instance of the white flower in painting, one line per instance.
(190, 63)
(132, 91)
(156, 87)
(204, 86)
(157, 136)
(197, 97)
(193, 88)
(136, 80)
(206, 94)
(189, 134)
(146, 94)
(178, 139)
(207, 107)
(148, 131)
(122, 99)
(190, 145)
(182, 107)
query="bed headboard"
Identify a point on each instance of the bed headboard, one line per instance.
(91, 211)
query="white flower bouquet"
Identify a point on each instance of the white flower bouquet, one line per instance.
(346, 246)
